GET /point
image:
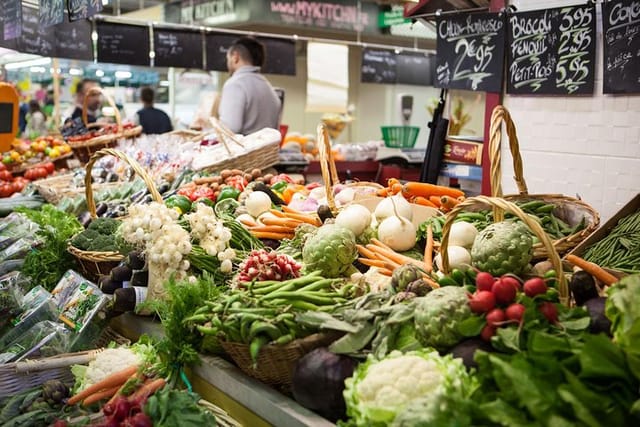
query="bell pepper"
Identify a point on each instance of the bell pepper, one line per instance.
(229, 192)
(279, 187)
(203, 192)
(282, 177)
(180, 202)
(238, 182)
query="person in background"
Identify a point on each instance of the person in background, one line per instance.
(248, 102)
(36, 121)
(93, 103)
(152, 120)
(23, 110)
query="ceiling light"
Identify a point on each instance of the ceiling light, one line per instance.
(164, 83)
(30, 63)
(37, 69)
(123, 75)
(99, 73)
(75, 71)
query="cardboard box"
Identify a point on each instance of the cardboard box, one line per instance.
(462, 150)
(632, 206)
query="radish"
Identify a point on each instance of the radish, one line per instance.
(515, 312)
(484, 281)
(495, 316)
(549, 311)
(534, 286)
(487, 332)
(504, 292)
(511, 280)
(482, 302)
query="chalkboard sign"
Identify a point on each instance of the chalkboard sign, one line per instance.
(216, 46)
(470, 52)
(51, 12)
(414, 68)
(280, 56)
(552, 51)
(11, 18)
(73, 40)
(83, 9)
(378, 66)
(621, 26)
(176, 48)
(123, 44)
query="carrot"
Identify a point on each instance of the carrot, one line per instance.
(435, 200)
(430, 281)
(115, 379)
(423, 201)
(428, 250)
(385, 272)
(245, 221)
(285, 222)
(393, 255)
(133, 380)
(396, 188)
(287, 209)
(389, 263)
(448, 202)
(425, 190)
(272, 235)
(382, 192)
(366, 252)
(392, 181)
(272, 228)
(103, 394)
(277, 213)
(305, 218)
(372, 262)
(595, 270)
(147, 389)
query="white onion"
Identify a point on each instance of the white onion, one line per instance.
(354, 217)
(385, 208)
(463, 234)
(397, 233)
(459, 258)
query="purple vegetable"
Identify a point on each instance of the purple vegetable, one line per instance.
(318, 382)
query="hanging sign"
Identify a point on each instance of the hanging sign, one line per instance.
(177, 48)
(83, 9)
(73, 40)
(470, 52)
(621, 29)
(35, 39)
(51, 12)
(123, 44)
(11, 18)
(552, 51)
(378, 66)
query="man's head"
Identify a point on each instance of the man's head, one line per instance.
(82, 88)
(245, 51)
(146, 96)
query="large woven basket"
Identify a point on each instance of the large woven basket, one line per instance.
(94, 264)
(85, 149)
(260, 157)
(501, 206)
(59, 187)
(18, 376)
(568, 209)
(275, 362)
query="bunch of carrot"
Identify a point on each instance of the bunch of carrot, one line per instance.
(282, 225)
(113, 385)
(421, 193)
(377, 254)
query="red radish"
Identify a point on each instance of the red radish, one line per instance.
(504, 292)
(487, 332)
(495, 316)
(535, 286)
(482, 302)
(121, 408)
(549, 310)
(510, 280)
(141, 420)
(60, 423)
(515, 312)
(484, 281)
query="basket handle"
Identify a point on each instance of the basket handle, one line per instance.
(327, 165)
(56, 362)
(112, 104)
(501, 114)
(533, 225)
(224, 132)
(91, 203)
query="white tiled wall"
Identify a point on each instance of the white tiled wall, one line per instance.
(588, 146)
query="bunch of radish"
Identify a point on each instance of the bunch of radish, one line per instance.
(497, 298)
(262, 264)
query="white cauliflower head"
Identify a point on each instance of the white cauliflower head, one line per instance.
(107, 362)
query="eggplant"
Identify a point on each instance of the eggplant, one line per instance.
(466, 350)
(101, 208)
(583, 287)
(599, 322)
(261, 186)
(324, 212)
(85, 219)
(163, 188)
(138, 195)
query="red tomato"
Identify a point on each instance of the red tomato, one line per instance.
(3, 167)
(6, 190)
(5, 175)
(49, 167)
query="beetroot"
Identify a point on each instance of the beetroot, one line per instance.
(482, 302)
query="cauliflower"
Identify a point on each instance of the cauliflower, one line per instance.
(381, 389)
(107, 362)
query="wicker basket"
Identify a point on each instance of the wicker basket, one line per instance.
(56, 188)
(500, 206)
(569, 209)
(85, 149)
(260, 157)
(94, 264)
(275, 362)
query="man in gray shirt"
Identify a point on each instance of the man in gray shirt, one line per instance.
(248, 102)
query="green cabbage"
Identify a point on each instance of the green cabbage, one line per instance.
(332, 250)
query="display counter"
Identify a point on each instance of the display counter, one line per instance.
(249, 401)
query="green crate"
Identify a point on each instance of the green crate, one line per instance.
(400, 136)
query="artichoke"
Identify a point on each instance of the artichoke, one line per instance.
(438, 314)
(332, 250)
(54, 391)
(404, 275)
(503, 247)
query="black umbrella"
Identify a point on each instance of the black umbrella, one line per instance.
(435, 146)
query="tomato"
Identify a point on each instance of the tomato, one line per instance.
(6, 190)
(49, 167)
(5, 175)
(3, 167)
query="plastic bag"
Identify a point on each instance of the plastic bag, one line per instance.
(43, 339)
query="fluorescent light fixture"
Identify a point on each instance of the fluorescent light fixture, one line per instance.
(152, 54)
(164, 83)
(26, 64)
(51, 70)
(105, 2)
(37, 69)
(75, 71)
(94, 36)
(99, 73)
(123, 75)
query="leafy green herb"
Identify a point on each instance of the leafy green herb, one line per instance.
(623, 309)
(170, 408)
(47, 263)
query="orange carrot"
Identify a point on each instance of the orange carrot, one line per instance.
(272, 235)
(393, 255)
(396, 188)
(425, 190)
(430, 281)
(392, 181)
(428, 250)
(366, 252)
(423, 201)
(135, 378)
(272, 228)
(595, 270)
(448, 202)
(113, 380)
(389, 263)
(284, 222)
(247, 222)
(385, 272)
(382, 192)
(287, 209)
(435, 200)
(313, 220)
(372, 262)
(277, 213)
(148, 388)
(103, 394)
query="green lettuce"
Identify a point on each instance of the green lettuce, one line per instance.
(623, 309)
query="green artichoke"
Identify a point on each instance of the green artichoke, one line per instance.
(503, 247)
(332, 250)
(54, 391)
(404, 275)
(438, 314)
